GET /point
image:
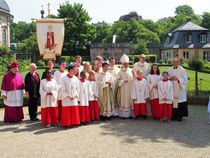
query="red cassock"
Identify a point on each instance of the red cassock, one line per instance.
(49, 107)
(84, 91)
(59, 110)
(12, 88)
(165, 110)
(70, 111)
(70, 116)
(94, 110)
(49, 116)
(140, 109)
(154, 104)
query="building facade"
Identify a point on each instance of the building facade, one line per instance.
(107, 50)
(187, 41)
(5, 18)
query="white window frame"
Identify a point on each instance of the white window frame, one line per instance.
(203, 38)
(188, 40)
(4, 37)
(206, 55)
(186, 55)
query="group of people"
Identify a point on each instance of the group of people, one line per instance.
(88, 93)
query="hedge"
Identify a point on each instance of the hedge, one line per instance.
(151, 58)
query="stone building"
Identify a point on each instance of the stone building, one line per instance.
(107, 50)
(5, 18)
(187, 41)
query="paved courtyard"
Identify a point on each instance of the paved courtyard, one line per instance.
(112, 139)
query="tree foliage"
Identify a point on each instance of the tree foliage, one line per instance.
(78, 30)
(206, 20)
(103, 30)
(185, 10)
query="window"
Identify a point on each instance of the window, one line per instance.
(206, 55)
(186, 55)
(188, 38)
(203, 38)
(4, 37)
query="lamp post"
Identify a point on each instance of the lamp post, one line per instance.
(42, 12)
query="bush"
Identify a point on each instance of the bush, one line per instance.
(5, 61)
(23, 64)
(160, 61)
(152, 58)
(170, 61)
(40, 63)
(195, 64)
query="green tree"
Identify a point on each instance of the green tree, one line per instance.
(197, 65)
(103, 30)
(21, 31)
(132, 31)
(206, 20)
(184, 9)
(78, 30)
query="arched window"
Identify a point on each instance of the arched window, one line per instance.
(4, 37)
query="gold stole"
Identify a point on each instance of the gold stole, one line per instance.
(177, 88)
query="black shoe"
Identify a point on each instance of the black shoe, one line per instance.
(102, 118)
(145, 117)
(34, 119)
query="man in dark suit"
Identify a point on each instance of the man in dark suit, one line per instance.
(32, 84)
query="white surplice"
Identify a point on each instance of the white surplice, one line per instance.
(58, 76)
(48, 87)
(165, 90)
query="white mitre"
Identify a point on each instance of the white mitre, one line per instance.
(124, 59)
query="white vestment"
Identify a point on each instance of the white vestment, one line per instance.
(165, 90)
(58, 76)
(143, 67)
(70, 87)
(48, 87)
(126, 103)
(140, 91)
(180, 86)
(153, 80)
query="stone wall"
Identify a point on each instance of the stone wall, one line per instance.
(110, 50)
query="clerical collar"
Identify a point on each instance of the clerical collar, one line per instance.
(165, 80)
(62, 71)
(70, 76)
(139, 78)
(49, 79)
(82, 80)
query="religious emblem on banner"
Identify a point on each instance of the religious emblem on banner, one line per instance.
(50, 37)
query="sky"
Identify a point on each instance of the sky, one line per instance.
(107, 10)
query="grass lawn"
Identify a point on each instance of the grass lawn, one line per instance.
(205, 82)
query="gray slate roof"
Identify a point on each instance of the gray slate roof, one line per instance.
(189, 26)
(4, 6)
(177, 38)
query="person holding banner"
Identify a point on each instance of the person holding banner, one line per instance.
(70, 93)
(12, 92)
(50, 66)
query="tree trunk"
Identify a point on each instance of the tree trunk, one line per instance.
(196, 83)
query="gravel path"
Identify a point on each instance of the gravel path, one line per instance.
(112, 139)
